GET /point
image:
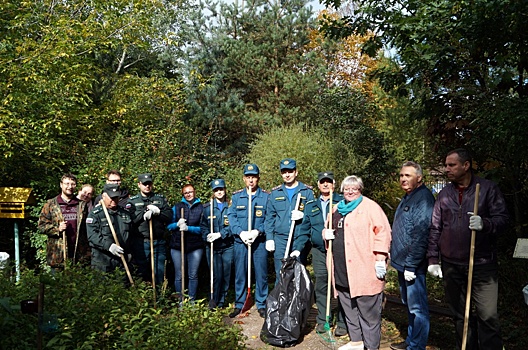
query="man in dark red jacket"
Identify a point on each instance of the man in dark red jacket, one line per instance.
(450, 239)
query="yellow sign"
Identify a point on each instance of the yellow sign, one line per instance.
(14, 201)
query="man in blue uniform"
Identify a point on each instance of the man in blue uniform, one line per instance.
(313, 223)
(249, 238)
(281, 213)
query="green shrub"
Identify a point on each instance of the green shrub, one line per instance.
(96, 311)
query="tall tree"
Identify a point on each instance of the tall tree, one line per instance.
(64, 70)
(253, 71)
(463, 66)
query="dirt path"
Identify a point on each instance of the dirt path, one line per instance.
(252, 324)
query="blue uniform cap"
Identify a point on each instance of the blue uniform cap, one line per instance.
(218, 183)
(288, 163)
(251, 169)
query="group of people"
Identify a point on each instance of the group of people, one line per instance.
(348, 236)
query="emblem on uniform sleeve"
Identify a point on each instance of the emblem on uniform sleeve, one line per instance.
(301, 206)
(89, 220)
(128, 206)
(258, 213)
(226, 221)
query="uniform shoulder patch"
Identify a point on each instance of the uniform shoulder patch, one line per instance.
(159, 195)
(238, 191)
(308, 186)
(135, 197)
(276, 188)
(97, 209)
(266, 191)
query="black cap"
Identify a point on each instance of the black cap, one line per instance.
(144, 178)
(112, 190)
(325, 175)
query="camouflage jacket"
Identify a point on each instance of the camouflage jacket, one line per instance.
(48, 224)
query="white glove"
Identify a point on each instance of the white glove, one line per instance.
(328, 234)
(244, 236)
(409, 275)
(295, 254)
(296, 215)
(147, 215)
(213, 236)
(184, 227)
(381, 270)
(435, 270)
(253, 234)
(181, 222)
(116, 250)
(154, 209)
(475, 222)
(270, 245)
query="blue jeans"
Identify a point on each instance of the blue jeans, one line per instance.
(192, 260)
(414, 296)
(259, 265)
(141, 253)
(222, 266)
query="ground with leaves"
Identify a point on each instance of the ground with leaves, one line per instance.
(393, 325)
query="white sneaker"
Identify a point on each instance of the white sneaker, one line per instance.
(353, 345)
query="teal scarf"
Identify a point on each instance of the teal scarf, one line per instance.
(344, 209)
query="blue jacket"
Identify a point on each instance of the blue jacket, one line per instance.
(193, 214)
(238, 212)
(220, 224)
(313, 223)
(410, 230)
(278, 210)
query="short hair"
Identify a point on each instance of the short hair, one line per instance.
(68, 176)
(415, 165)
(463, 156)
(187, 185)
(113, 172)
(87, 185)
(352, 180)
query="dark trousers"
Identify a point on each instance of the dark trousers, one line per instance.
(483, 327)
(222, 266)
(321, 286)
(363, 317)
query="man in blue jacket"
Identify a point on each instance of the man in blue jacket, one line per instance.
(282, 213)
(249, 238)
(410, 234)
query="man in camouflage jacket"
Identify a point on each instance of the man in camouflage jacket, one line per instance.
(65, 216)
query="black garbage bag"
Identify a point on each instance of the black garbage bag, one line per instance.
(288, 305)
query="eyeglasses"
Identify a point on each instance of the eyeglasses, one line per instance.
(352, 190)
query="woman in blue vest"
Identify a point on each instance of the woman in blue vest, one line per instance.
(193, 246)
